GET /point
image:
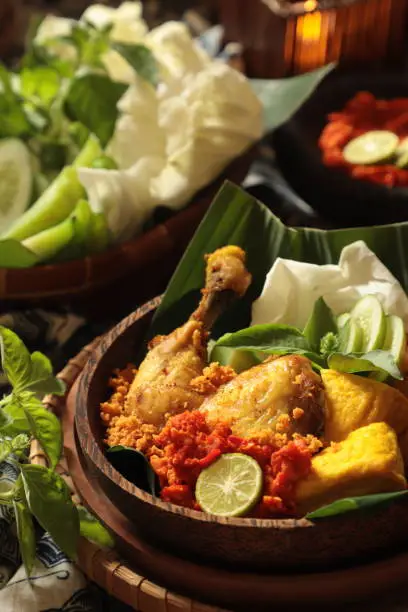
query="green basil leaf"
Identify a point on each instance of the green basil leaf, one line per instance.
(93, 530)
(382, 362)
(92, 100)
(41, 82)
(350, 504)
(135, 467)
(44, 426)
(13, 420)
(14, 445)
(50, 501)
(25, 534)
(15, 359)
(266, 338)
(42, 379)
(320, 323)
(141, 59)
(13, 121)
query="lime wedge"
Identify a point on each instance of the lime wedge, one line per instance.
(15, 181)
(402, 160)
(369, 316)
(351, 337)
(231, 486)
(342, 319)
(371, 148)
(239, 360)
(395, 338)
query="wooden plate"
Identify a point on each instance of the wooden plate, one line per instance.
(335, 195)
(239, 543)
(129, 571)
(124, 275)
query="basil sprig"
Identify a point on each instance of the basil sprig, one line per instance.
(39, 493)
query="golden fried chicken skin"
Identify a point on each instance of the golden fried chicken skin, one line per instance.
(281, 394)
(162, 384)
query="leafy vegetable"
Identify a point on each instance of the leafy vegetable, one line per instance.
(93, 530)
(39, 491)
(141, 59)
(266, 338)
(25, 534)
(92, 100)
(374, 361)
(320, 323)
(235, 217)
(49, 499)
(134, 466)
(349, 504)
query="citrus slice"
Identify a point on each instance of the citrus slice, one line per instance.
(369, 316)
(230, 486)
(351, 337)
(15, 181)
(371, 148)
(395, 339)
(342, 319)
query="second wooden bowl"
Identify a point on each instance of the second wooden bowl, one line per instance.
(252, 544)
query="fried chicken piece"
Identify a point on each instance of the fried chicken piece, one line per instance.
(281, 394)
(162, 383)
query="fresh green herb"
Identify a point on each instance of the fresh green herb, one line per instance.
(329, 343)
(25, 533)
(349, 504)
(39, 492)
(374, 361)
(134, 466)
(321, 322)
(142, 61)
(93, 530)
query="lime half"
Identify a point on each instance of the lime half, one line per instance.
(371, 148)
(369, 316)
(15, 181)
(395, 339)
(231, 486)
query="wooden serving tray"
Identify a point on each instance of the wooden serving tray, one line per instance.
(146, 578)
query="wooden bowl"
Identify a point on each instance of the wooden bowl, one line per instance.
(125, 275)
(250, 544)
(335, 195)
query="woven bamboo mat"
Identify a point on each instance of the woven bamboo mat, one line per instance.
(106, 568)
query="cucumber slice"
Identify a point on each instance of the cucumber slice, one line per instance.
(342, 319)
(15, 181)
(239, 360)
(351, 337)
(395, 338)
(371, 148)
(370, 317)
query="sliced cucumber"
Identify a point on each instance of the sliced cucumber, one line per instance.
(369, 316)
(342, 319)
(351, 337)
(395, 338)
(239, 360)
(371, 148)
(16, 179)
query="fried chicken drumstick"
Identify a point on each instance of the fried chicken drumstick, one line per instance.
(162, 384)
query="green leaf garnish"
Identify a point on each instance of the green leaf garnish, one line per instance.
(93, 530)
(374, 361)
(14, 445)
(25, 534)
(349, 504)
(135, 467)
(266, 338)
(320, 323)
(44, 426)
(49, 499)
(92, 100)
(141, 59)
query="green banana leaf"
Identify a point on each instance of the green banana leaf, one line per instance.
(235, 217)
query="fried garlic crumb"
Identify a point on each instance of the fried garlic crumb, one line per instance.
(212, 378)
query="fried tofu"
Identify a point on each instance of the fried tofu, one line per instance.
(355, 401)
(367, 461)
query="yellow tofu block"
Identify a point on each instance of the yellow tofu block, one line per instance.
(367, 461)
(354, 401)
